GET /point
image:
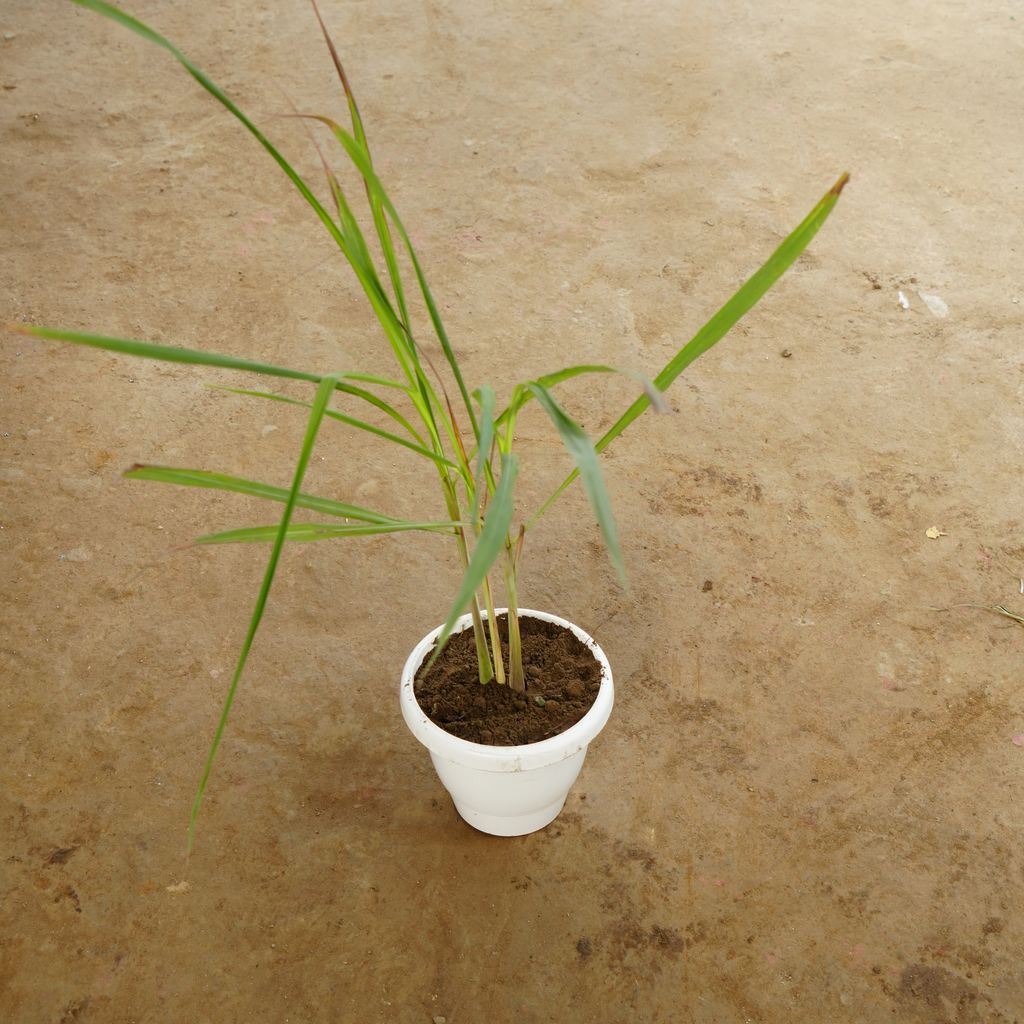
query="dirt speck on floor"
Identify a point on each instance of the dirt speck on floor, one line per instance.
(808, 801)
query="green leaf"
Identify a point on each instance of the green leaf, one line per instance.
(580, 447)
(748, 295)
(164, 353)
(352, 421)
(359, 154)
(379, 219)
(116, 14)
(348, 389)
(486, 397)
(255, 489)
(488, 546)
(360, 157)
(549, 380)
(196, 357)
(316, 416)
(357, 252)
(301, 532)
(353, 107)
(371, 378)
(393, 329)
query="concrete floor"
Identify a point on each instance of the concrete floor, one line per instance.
(807, 804)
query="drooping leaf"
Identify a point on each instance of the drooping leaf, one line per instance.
(316, 416)
(549, 380)
(255, 489)
(164, 353)
(302, 532)
(353, 421)
(197, 357)
(581, 448)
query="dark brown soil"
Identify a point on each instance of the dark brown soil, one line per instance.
(562, 680)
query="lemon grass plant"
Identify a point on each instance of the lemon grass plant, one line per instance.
(430, 411)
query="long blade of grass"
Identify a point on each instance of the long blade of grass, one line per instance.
(582, 450)
(488, 546)
(197, 357)
(350, 228)
(350, 97)
(748, 295)
(361, 393)
(364, 267)
(358, 155)
(396, 327)
(316, 416)
(380, 223)
(390, 259)
(254, 489)
(393, 329)
(352, 421)
(116, 14)
(164, 353)
(301, 532)
(372, 378)
(379, 220)
(483, 454)
(397, 330)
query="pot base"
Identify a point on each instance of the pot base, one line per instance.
(504, 825)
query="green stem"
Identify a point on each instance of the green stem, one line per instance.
(492, 626)
(483, 657)
(517, 679)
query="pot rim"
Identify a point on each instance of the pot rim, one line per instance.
(515, 758)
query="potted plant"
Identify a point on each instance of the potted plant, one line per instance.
(508, 743)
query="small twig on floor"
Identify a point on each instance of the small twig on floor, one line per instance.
(998, 609)
(1002, 610)
(1006, 568)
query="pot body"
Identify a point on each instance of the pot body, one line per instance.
(507, 791)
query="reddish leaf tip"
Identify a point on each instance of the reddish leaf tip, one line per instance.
(838, 187)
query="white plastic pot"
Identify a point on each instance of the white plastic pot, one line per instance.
(507, 791)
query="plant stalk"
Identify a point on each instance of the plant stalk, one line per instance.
(516, 678)
(492, 626)
(483, 657)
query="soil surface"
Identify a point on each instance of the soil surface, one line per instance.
(562, 682)
(809, 800)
